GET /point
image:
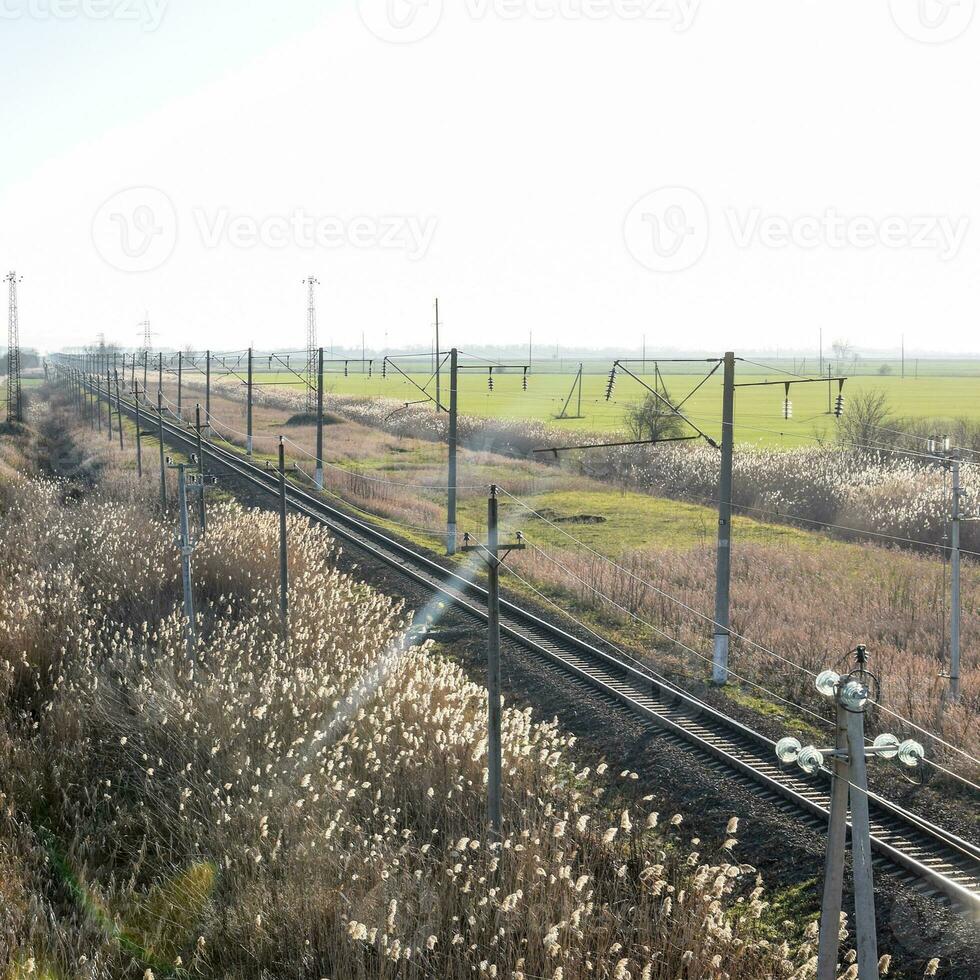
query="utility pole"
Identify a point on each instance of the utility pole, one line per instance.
(160, 371)
(196, 483)
(941, 450)
(438, 364)
(849, 756)
(200, 470)
(248, 407)
(864, 895)
(954, 627)
(318, 476)
(453, 450)
(207, 391)
(833, 881)
(283, 552)
(186, 550)
(494, 761)
(139, 434)
(108, 398)
(163, 461)
(492, 557)
(180, 384)
(119, 408)
(723, 569)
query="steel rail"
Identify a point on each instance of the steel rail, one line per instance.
(935, 861)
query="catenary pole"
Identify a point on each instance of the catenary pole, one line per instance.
(319, 420)
(139, 434)
(954, 625)
(200, 469)
(438, 364)
(453, 450)
(119, 407)
(163, 455)
(723, 569)
(493, 667)
(283, 553)
(108, 398)
(248, 407)
(207, 390)
(185, 559)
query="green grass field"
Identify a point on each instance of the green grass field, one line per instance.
(758, 410)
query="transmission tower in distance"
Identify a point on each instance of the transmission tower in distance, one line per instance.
(15, 404)
(311, 348)
(147, 335)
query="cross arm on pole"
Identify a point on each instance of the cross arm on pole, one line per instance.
(620, 365)
(517, 545)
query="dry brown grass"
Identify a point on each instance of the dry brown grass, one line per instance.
(312, 809)
(807, 603)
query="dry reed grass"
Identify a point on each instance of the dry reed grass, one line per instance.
(310, 809)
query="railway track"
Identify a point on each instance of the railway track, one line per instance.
(925, 856)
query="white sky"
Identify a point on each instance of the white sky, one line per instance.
(521, 143)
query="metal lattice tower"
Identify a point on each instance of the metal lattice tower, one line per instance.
(15, 404)
(147, 335)
(311, 345)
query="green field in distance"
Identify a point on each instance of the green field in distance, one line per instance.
(758, 410)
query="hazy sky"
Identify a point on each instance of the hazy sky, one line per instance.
(711, 174)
